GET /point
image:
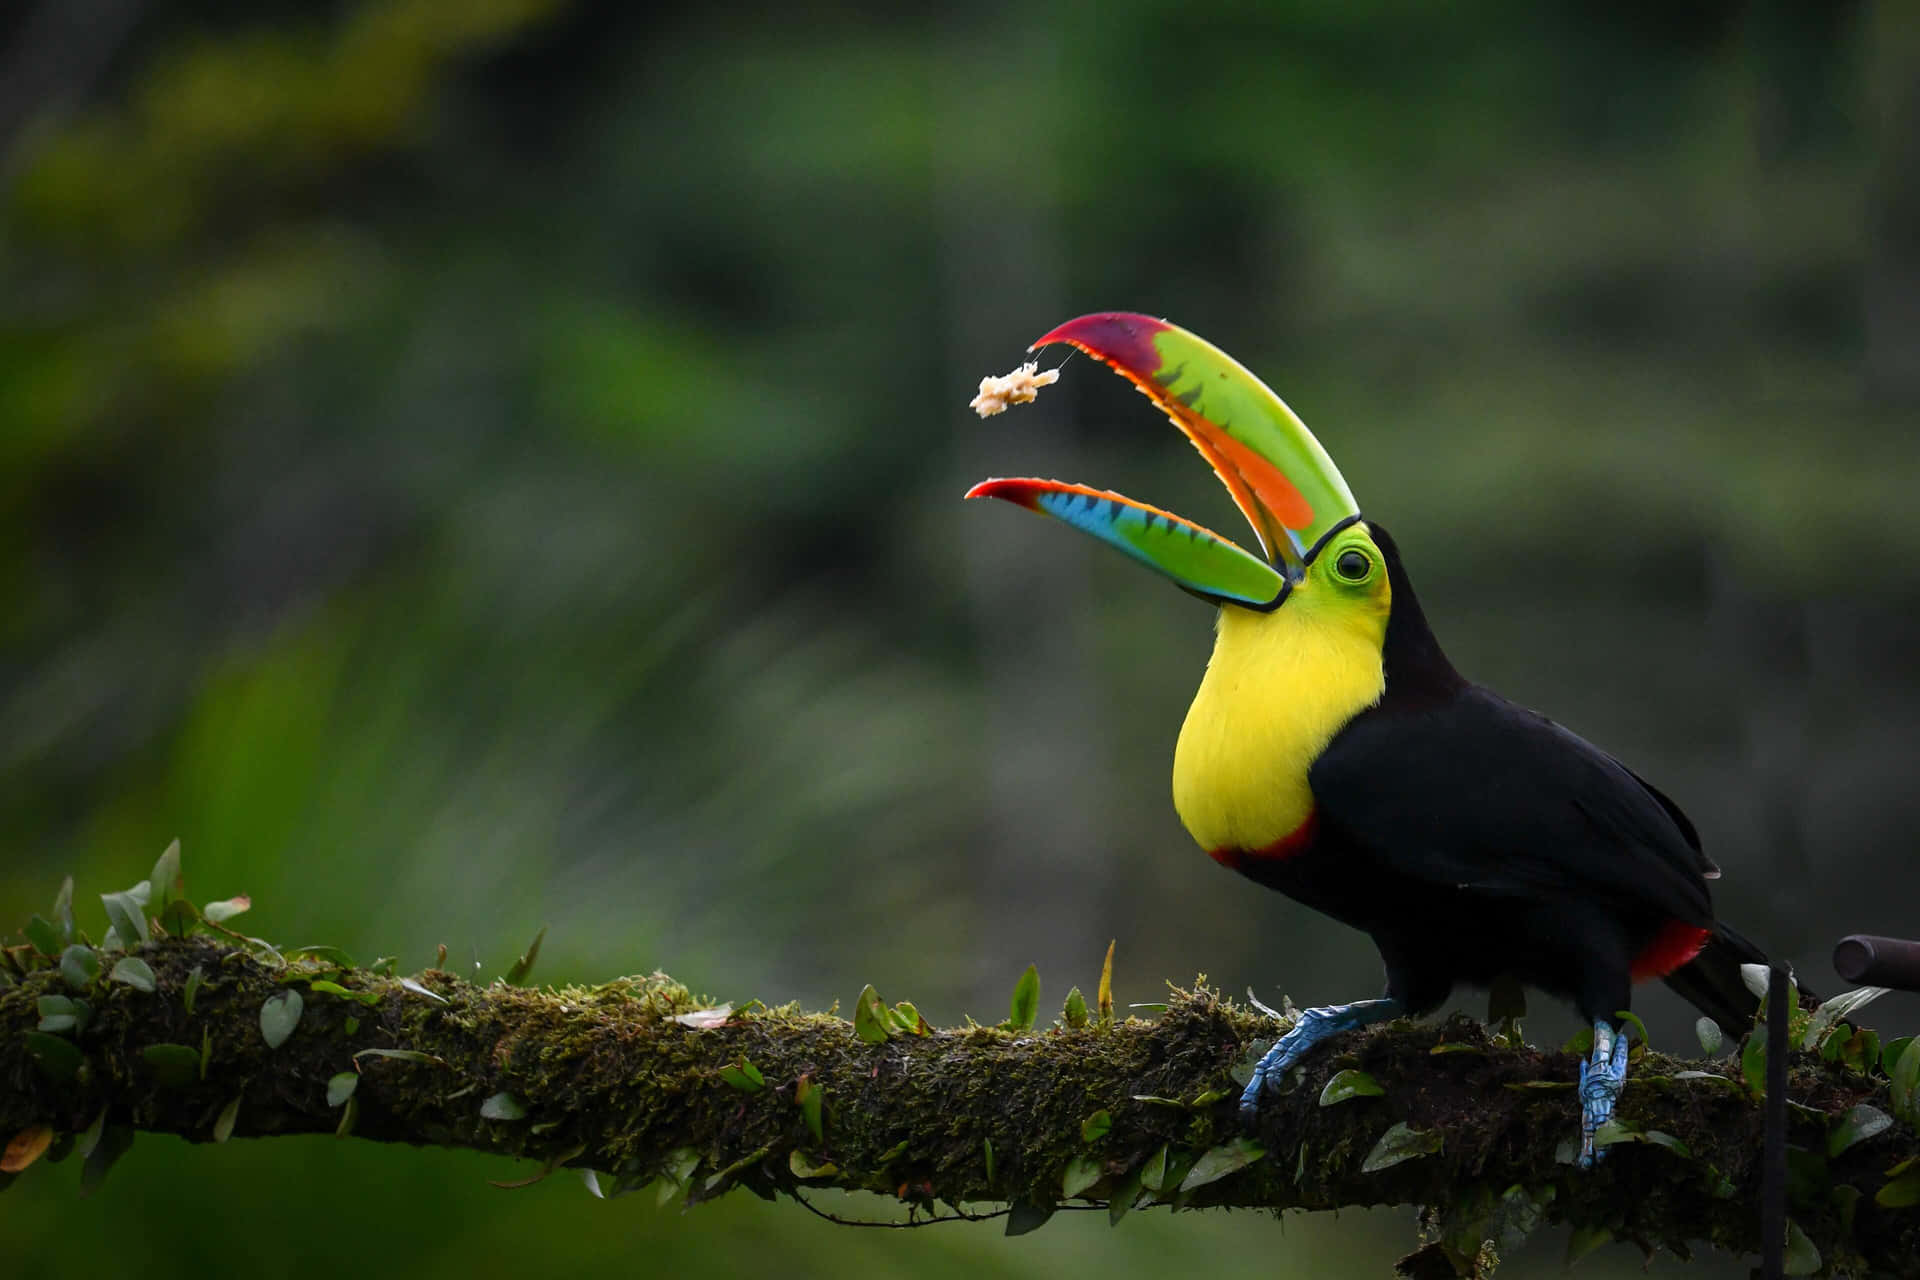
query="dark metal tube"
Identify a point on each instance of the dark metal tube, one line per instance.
(1881, 962)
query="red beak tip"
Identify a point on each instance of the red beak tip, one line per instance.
(1123, 339)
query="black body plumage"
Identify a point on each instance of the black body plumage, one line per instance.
(1474, 839)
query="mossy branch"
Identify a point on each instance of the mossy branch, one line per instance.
(628, 1078)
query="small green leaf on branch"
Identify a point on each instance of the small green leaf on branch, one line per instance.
(1857, 1125)
(1711, 1037)
(904, 1017)
(1401, 1143)
(1902, 1080)
(1659, 1138)
(1154, 1172)
(1753, 1063)
(90, 1136)
(1614, 1131)
(1344, 1085)
(744, 1076)
(870, 1020)
(226, 909)
(1802, 1258)
(58, 1013)
(341, 1087)
(135, 973)
(79, 966)
(502, 1106)
(808, 1094)
(1081, 1172)
(1104, 994)
(63, 910)
(279, 1015)
(1123, 1197)
(174, 1065)
(128, 915)
(517, 975)
(1632, 1019)
(801, 1167)
(1025, 1005)
(1217, 1163)
(44, 937)
(1027, 1216)
(1903, 1192)
(167, 881)
(114, 1142)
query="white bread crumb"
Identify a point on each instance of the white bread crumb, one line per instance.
(1018, 387)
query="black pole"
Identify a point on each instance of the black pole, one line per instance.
(1773, 1185)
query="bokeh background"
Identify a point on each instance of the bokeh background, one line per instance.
(465, 467)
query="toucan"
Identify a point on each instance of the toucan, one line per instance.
(1335, 754)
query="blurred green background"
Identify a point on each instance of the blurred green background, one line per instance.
(471, 466)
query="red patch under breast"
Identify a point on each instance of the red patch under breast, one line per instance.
(1675, 944)
(1291, 845)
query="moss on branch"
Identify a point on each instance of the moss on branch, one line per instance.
(627, 1078)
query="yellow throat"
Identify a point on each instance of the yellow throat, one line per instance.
(1277, 689)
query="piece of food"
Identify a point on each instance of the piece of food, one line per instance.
(1018, 387)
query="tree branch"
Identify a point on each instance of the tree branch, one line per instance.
(623, 1079)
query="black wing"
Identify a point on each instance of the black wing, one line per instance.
(1473, 790)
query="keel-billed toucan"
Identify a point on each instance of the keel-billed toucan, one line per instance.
(1333, 752)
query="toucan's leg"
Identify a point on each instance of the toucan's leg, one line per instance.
(1601, 1081)
(1314, 1026)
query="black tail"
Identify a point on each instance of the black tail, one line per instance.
(1711, 981)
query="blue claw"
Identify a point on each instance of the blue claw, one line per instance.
(1313, 1026)
(1601, 1081)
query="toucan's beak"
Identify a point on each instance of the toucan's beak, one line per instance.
(1192, 555)
(1277, 473)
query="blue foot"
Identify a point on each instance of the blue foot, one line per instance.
(1313, 1026)
(1601, 1081)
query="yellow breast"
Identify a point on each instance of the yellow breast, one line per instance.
(1277, 689)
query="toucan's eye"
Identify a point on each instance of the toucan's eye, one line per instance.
(1353, 566)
